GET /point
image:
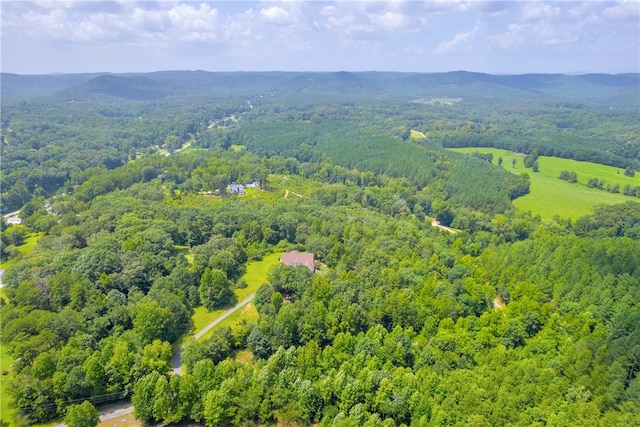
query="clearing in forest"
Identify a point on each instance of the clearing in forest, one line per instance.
(30, 241)
(254, 276)
(438, 101)
(6, 407)
(551, 196)
(416, 135)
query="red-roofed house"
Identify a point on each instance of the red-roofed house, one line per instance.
(296, 258)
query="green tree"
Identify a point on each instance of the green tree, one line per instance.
(156, 356)
(258, 344)
(119, 368)
(82, 415)
(215, 289)
(151, 321)
(164, 403)
(216, 403)
(15, 234)
(143, 397)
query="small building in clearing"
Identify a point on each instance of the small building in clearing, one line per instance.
(295, 258)
(13, 220)
(236, 188)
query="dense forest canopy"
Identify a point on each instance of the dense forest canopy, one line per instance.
(503, 320)
(80, 122)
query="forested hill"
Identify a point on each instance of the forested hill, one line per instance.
(517, 322)
(56, 128)
(131, 237)
(598, 88)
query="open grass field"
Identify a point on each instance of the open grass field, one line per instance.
(415, 135)
(255, 276)
(29, 243)
(248, 313)
(202, 317)
(6, 412)
(293, 183)
(551, 196)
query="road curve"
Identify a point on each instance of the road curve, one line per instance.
(126, 409)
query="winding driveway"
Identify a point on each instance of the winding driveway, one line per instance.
(176, 361)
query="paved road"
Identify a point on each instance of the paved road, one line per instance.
(116, 412)
(10, 214)
(127, 408)
(108, 414)
(225, 315)
(176, 361)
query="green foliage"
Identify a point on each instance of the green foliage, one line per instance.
(215, 289)
(143, 395)
(569, 176)
(217, 347)
(82, 415)
(549, 197)
(510, 321)
(150, 321)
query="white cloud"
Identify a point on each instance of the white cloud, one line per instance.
(356, 34)
(539, 10)
(181, 22)
(390, 21)
(187, 18)
(623, 10)
(512, 37)
(276, 15)
(328, 11)
(460, 41)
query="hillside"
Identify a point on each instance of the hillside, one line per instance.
(619, 90)
(400, 327)
(131, 241)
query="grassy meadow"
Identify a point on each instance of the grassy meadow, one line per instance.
(551, 196)
(6, 411)
(254, 276)
(248, 314)
(30, 241)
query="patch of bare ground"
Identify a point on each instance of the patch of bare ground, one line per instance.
(127, 420)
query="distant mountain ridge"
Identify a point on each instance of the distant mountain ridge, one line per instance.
(605, 88)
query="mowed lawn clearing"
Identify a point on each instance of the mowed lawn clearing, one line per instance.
(254, 276)
(30, 241)
(551, 196)
(6, 408)
(248, 314)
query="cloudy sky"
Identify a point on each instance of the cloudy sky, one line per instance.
(489, 36)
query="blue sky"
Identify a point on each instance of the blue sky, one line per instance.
(499, 37)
